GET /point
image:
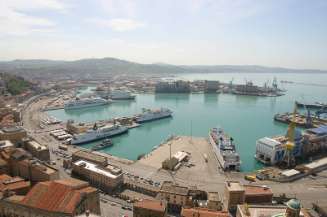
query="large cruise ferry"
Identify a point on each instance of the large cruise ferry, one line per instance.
(153, 114)
(120, 95)
(84, 103)
(224, 149)
(98, 133)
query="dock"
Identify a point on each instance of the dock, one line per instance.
(300, 120)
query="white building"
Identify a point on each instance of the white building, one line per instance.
(269, 151)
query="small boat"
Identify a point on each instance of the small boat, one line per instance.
(104, 144)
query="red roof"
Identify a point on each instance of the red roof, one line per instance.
(12, 183)
(257, 190)
(54, 196)
(151, 205)
(202, 212)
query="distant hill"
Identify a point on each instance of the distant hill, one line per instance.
(106, 67)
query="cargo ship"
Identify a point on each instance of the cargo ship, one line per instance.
(98, 133)
(104, 144)
(153, 114)
(224, 150)
(85, 103)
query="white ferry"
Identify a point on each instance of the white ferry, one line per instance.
(98, 133)
(85, 103)
(153, 114)
(120, 95)
(224, 149)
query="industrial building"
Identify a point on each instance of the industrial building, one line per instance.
(271, 151)
(211, 86)
(106, 178)
(315, 140)
(173, 87)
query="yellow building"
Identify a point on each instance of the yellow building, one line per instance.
(233, 195)
(175, 195)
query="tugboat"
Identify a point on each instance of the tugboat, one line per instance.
(104, 144)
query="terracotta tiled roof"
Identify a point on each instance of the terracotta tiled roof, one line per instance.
(151, 205)
(54, 196)
(200, 212)
(12, 183)
(255, 190)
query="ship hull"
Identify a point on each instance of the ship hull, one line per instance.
(95, 137)
(85, 106)
(141, 120)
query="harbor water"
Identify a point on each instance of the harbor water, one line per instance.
(245, 118)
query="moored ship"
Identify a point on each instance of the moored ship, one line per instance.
(224, 149)
(153, 114)
(98, 133)
(104, 144)
(85, 103)
(120, 95)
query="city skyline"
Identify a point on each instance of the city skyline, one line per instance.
(287, 34)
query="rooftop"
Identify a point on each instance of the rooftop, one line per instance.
(169, 187)
(213, 196)
(317, 163)
(234, 186)
(12, 129)
(289, 173)
(96, 168)
(5, 144)
(12, 183)
(151, 205)
(272, 142)
(256, 189)
(37, 145)
(201, 212)
(90, 156)
(54, 196)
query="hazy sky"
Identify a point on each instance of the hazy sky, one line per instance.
(286, 33)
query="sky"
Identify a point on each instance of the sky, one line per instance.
(284, 33)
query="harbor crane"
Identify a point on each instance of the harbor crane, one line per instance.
(290, 135)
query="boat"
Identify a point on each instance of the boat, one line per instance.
(316, 105)
(98, 133)
(85, 103)
(224, 150)
(153, 114)
(120, 95)
(104, 144)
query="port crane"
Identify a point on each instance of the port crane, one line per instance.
(290, 135)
